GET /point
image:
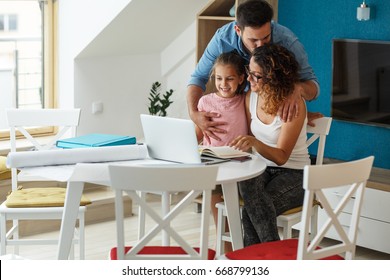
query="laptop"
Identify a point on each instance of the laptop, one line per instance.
(173, 139)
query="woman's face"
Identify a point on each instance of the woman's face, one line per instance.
(227, 80)
(254, 75)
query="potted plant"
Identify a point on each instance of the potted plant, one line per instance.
(159, 104)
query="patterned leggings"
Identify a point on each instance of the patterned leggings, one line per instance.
(267, 196)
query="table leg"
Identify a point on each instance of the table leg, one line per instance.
(141, 217)
(69, 217)
(230, 195)
(120, 231)
(165, 207)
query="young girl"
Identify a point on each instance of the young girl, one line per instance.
(229, 100)
(273, 75)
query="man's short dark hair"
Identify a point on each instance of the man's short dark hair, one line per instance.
(254, 13)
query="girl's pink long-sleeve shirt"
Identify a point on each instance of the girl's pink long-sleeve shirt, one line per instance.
(232, 111)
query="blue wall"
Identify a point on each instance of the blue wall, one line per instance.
(316, 23)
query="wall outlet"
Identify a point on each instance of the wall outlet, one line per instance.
(97, 107)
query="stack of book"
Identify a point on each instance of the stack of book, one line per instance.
(95, 140)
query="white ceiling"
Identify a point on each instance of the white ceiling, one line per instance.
(144, 26)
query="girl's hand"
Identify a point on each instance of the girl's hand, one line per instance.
(243, 142)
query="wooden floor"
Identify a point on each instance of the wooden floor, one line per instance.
(101, 237)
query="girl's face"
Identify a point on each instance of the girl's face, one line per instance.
(254, 73)
(227, 80)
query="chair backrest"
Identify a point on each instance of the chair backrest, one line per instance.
(348, 179)
(21, 119)
(319, 131)
(176, 178)
(24, 119)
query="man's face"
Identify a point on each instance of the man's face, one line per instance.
(254, 37)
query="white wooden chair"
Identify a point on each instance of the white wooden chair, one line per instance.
(163, 178)
(21, 120)
(293, 216)
(166, 202)
(318, 180)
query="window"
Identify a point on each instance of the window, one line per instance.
(2, 24)
(12, 22)
(8, 22)
(27, 54)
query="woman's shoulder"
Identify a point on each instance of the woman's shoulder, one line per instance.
(302, 105)
(250, 94)
(302, 115)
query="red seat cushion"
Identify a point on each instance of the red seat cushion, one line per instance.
(275, 250)
(160, 250)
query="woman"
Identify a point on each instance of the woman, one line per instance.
(273, 74)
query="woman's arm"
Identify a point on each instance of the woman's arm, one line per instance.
(247, 111)
(288, 137)
(290, 109)
(286, 142)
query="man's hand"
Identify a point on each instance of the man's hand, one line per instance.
(205, 121)
(312, 116)
(289, 108)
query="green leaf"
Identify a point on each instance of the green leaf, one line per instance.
(158, 105)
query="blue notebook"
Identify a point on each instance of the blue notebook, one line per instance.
(95, 140)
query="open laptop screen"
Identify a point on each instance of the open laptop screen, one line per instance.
(172, 139)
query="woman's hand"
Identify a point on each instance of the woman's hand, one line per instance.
(243, 142)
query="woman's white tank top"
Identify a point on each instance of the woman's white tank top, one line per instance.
(269, 135)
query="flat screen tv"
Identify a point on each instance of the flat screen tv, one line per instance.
(361, 81)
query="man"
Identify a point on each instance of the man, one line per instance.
(253, 27)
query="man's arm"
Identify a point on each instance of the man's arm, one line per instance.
(194, 93)
(309, 87)
(309, 90)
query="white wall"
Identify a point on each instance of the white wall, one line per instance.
(177, 63)
(78, 23)
(121, 83)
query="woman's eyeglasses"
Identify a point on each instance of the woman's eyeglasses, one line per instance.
(253, 76)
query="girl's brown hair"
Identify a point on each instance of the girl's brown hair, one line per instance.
(235, 60)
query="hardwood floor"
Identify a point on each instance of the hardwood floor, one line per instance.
(100, 237)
